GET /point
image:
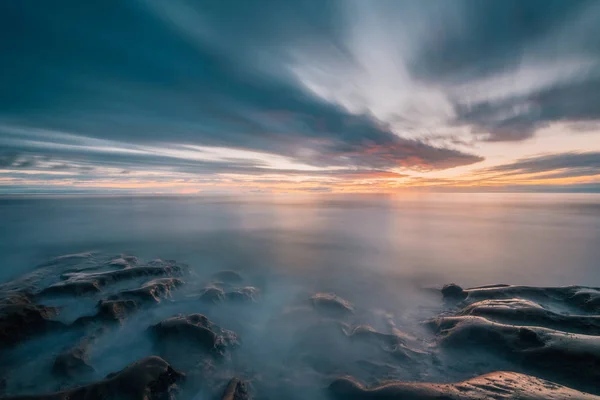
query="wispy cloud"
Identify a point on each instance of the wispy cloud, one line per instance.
(344, 90)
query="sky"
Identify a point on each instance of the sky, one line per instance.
(282, 96)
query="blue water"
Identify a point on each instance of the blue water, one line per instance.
(428, 239)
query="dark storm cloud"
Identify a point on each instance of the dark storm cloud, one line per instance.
(562, 165)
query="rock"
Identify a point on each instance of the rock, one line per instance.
(236, 390)
(581, 297)
(368, 334)
(526, 312)
(109, 277)
(76, 288)
(331, 305)
(195, 329)
(110, 311)
(124, 261)
(454, 292)
(151, 291)
(228, 277)
(151, 378)
(73, 362)
(587, 299)
(572, 358)
(212, 295)
(496, 385)
(246, 294)
(20, 319)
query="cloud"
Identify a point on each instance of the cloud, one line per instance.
(171, 73)
(343, 88)
(561, 165)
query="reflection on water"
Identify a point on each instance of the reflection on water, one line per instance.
(542, 239)
(374, 252)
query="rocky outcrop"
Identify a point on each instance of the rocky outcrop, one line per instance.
(20, 318)
(571, 357)
(151, 378)
(236, 390)
(73, 362)
(529, 313)
(151, 292)
(331, 305)
(212, 295)
(494, 386)
(195, 329)
(248, 294)
(586, 299)
(109, 312)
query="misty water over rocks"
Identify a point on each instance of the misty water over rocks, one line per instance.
(316, 297)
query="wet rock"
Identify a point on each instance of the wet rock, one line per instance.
(228, 277)
(526, 312)
(20, 319)
(195, 329)
(151, 291)
(236, 390)
(367, 333)
(109, 312)
(124, 261)
(151, 378)
(246, 294)
(73, 362)
(109, 277)
(453, 292)
(331, 305)
(76, 288)
(398, 344)
(572, 358)
(212, 295)
(496, 385)
(584, 298)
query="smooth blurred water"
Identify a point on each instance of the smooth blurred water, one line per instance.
(428, 239)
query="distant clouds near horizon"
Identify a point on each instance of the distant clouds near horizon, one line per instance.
(226, 96)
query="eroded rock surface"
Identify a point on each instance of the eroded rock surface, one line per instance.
(584, 298)
(331, 305)
(294, 345)
(152, 291)
(73, 361)
(526, 312)
(105, 278)
(212, 294)
(572, 358)
(110, 312)
(151, 378)
(236, 390)
(20, 319)
(496, 385)
(195, 329)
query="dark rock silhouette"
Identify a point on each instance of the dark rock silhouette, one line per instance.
(20, 318)
(151, 378)
(236, 390)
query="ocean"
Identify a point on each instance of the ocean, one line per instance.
(289, 293)
(432, 238)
